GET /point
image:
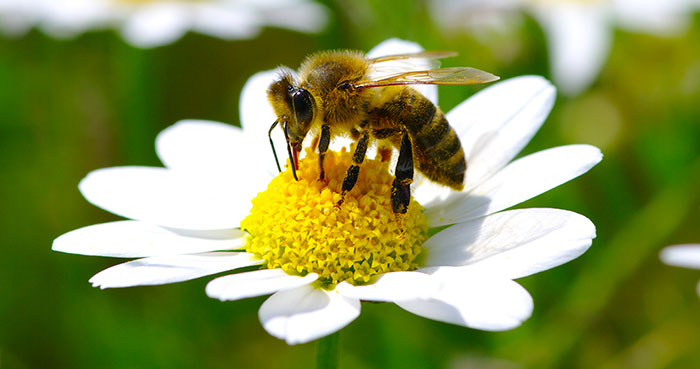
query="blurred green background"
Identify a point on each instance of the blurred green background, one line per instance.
(69, 107)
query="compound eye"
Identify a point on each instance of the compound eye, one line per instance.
(303, 106)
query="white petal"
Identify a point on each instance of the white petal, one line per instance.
(687, 256)
(157, 24)
(428, 193)
(169, 198)
(392, 287)
(206, 146)
(521, 180)
(256, 283)
(257, 116)
(196, 145)
(66, 19)
(513, 243)
(476, 301)
(227, 22)
(302, 16)
(579, 39)
(132, 239)
(496, 123)
(306, 313)
(395, 46)
(170, 269)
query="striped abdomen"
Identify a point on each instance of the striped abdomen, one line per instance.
(437, 152)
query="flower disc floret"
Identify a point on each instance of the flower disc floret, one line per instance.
(298, 227)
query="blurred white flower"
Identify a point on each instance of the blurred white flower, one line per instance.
(16, 16)
(686, 256)
(579, 32)
(150, 23)
(187, 219)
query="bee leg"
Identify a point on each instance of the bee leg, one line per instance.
(357, 158)
(401, 188)
(322, 148)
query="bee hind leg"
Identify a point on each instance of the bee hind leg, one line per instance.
(401, 188)
(323, 143)
(357, 158)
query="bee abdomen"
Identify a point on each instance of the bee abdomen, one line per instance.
(439, 154)
(437, 150)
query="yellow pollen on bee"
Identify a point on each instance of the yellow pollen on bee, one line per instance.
(295, 225)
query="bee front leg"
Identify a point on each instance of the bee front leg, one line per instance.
(401, 189)
(357, 158)
(322, 148)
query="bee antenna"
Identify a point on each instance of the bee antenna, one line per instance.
(274, 152)
(289, 151)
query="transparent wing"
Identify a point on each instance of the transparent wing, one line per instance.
(442, 76)
(389, 65)
(418, 55)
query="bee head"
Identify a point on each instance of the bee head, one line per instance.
(294, 107)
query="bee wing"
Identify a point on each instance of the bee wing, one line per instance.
(443, 76)
(417, 55)
(389, 65)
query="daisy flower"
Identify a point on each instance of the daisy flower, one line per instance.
(193, 218)
(579, 32)
(150, 23)
(686, 256)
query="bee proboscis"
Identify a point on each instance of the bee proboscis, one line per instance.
(340, 92)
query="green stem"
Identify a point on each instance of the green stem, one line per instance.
(327, 351)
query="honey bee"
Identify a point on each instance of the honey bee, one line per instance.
(345, 92)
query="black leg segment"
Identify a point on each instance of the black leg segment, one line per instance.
(323, 147)
(401, 190)
(357, 159)
(354, 170)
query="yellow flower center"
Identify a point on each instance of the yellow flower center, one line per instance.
(296, 225)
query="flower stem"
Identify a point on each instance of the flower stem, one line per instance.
(327, 351)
